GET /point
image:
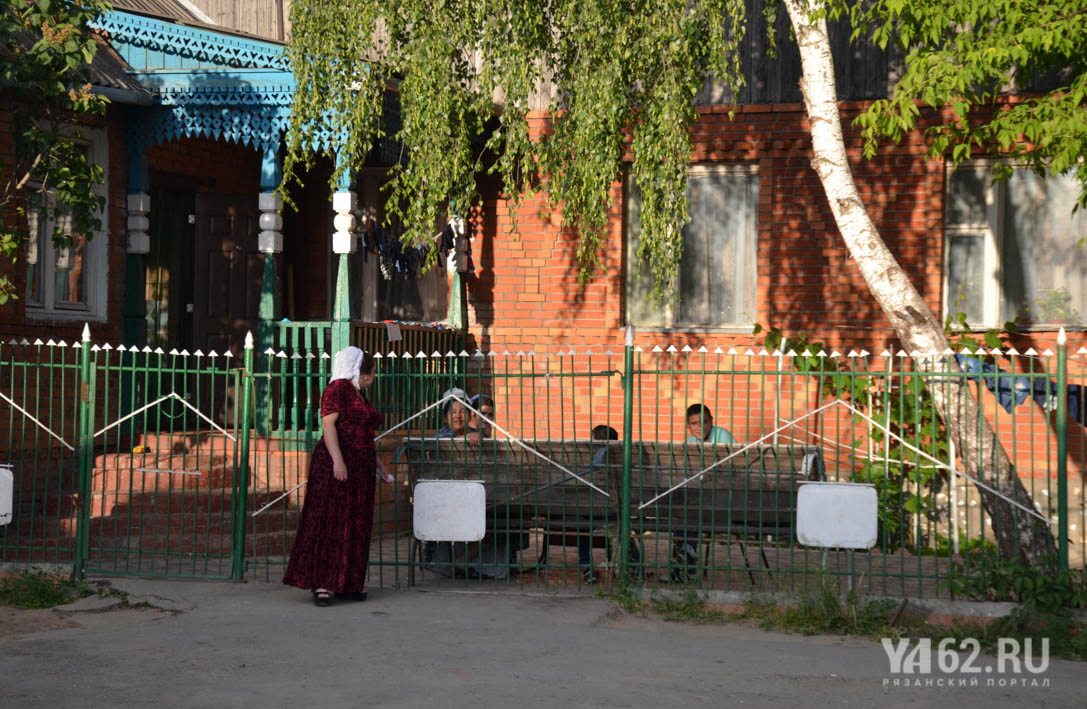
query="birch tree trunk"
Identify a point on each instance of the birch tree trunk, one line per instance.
(1018, 533)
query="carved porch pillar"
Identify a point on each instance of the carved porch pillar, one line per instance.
(344, 243)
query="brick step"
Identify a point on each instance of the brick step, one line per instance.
(29, 482)
(175, 502)
(163, 442)
(122, 471)
(255, 545)
(210, 523)
(54, 504)
(195, 521)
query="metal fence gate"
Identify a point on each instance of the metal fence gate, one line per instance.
(193, 464)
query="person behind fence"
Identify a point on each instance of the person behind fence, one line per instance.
(478, 426)
(459, 420)
(584, 541)
(332, 548)
(700, 429)
(492, 557)
(454, 414)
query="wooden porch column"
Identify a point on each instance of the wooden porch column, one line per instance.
(270, 243)
(134, 329)
(344, 243)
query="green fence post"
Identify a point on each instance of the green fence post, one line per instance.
(628, 444)
(1062, 450)
(85, 428)
(241, 464)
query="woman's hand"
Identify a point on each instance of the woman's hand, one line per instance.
(386, 477)
(339, 470)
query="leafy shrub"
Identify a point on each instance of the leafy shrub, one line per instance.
(34, 588)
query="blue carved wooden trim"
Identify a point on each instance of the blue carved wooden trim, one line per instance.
(214, 85)
(146, 43)
(220, 85)
(259, 127)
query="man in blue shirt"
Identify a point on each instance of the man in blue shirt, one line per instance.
(701, 429)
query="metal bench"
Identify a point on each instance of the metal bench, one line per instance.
(754, 492)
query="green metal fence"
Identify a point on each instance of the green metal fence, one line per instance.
(152, 462)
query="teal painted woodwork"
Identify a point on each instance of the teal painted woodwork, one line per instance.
(147, 43)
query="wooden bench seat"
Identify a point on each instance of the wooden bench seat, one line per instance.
(754, 492)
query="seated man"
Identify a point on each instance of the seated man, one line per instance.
(701, 428)
(584, 541)
(685, 543)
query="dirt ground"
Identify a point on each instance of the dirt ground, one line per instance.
(217, 644)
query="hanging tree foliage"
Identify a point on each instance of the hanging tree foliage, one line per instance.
(626, 75)
(46, 48)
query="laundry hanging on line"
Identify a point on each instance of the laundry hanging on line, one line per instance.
(1011, 391)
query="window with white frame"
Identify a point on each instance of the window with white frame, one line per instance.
(715, 281)
(1012, 249)
(68, 281)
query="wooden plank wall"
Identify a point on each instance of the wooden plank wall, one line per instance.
(264, 18)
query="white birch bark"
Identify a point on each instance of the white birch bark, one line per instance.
(1018, 533)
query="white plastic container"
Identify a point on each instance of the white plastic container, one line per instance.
(7, 493)
(450, 511)
(836, 515)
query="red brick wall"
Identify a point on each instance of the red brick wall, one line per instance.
(212, 166)
(524, 295)
(13, 315)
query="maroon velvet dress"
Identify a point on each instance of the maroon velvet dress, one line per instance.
(332, 548)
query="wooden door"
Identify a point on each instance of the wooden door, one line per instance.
(228, 272)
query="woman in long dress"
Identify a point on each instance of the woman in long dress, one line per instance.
(332, 548)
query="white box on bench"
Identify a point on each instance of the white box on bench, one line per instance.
(450, 511)
(836, 515)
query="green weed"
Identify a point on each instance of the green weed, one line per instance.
(34, 588)
(691, 609)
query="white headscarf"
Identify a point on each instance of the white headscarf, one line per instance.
(346, 364)
(455, 391)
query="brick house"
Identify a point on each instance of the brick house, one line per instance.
(193, 257)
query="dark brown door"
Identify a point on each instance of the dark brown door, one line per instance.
(228, 272)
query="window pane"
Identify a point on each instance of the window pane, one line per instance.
(69, 263)
(36, 224)
(717, 277)
(696, 280)
(966, 196)
(1043, 267)
(641, 309)
(965, 287)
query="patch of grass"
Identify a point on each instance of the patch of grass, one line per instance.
(826, 612)
(34, 588)
(691, 609)
(1067, 638)
(626, 597)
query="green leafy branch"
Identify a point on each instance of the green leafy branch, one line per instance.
(46, 47)
(554, 98)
